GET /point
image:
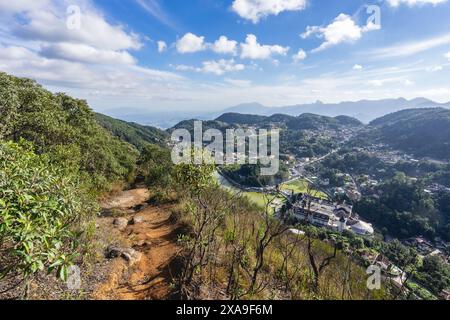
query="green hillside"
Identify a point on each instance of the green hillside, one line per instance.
(422, 132)
(133, 133)
(305, 121)
(64, 128)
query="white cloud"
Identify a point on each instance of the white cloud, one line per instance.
(410, 48)
(93, 62)
(219, 67)
(342, 29)
(255, 10)
(154, 8)
(299, 56)
(238, 82)
(162, 46)
(86, 54)
(396, 3)
(22, 5)
(24, 62)
(50, 26)
(395, 80)
(357, 67)
(435, 68)
(223, 45)
(251, 49)
(191, 43)
(447, 55)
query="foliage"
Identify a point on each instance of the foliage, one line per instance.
(403, 208)
(193, 178)
(66, 129)
(435, 273)
(40, 207)
(133, 133)
(156, 166)
(422, 132)
(250, 175)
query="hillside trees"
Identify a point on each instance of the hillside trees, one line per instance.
(66, 129)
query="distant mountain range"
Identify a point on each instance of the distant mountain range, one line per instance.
(364, 110)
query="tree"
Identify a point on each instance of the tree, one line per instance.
(156, 166)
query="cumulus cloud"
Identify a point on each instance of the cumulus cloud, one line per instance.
(251, 49)
(343, 29)
(218, 68)
(447, 55)
(162, 46)
(51, 26)
(222, 66)
(357, 67)
(93, 62)
(190, 43)
(86, 54)
(299, 56)
(223, 45)
(396, 3)
(255, 10)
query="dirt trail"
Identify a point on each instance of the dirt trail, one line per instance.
(155, 236)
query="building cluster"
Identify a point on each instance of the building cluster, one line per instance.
(435, 188)
(428, 248)
(324, 213)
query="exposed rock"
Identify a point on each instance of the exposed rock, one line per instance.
(130, 255)
(120, 223)
(143, 243)
(137, 220)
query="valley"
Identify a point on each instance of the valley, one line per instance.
(141, 227)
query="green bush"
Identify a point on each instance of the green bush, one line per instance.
(41, 209)
(66, 129)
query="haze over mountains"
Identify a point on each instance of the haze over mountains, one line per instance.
(364, 110)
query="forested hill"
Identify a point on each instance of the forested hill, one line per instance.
(135, 134)
(65, 130)
(303, 122)
(422, 132)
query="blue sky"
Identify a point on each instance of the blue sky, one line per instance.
(164, 55)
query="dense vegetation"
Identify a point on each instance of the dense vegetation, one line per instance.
(42, 209)
(66, 129)
(250, 175)
(422, 132)
(305, 121)
(403, 209)
(133, 133)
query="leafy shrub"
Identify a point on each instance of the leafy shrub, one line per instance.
(66, 129)
(40, 209)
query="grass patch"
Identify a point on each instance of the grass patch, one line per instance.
(420, 291)
(301, 186)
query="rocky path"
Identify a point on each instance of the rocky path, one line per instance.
(145, 251)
